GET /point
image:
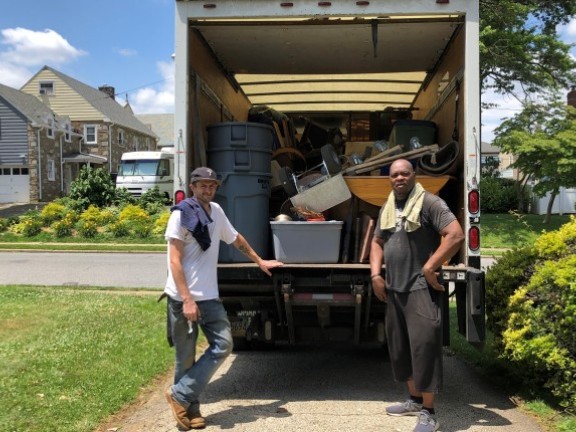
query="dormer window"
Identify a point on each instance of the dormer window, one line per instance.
(46, 88)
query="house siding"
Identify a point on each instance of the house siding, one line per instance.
(13, 136)
(64, 101)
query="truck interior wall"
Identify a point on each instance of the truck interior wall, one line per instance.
(444, 117)
(220, 100)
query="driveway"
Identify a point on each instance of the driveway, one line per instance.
(324, 389)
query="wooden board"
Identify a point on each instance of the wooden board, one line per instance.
(375, 189)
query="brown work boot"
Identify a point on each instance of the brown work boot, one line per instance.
(197, 421)
(178, 411)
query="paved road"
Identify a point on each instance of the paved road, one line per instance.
(131, 270)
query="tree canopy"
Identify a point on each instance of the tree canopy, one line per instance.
(543, 138)
(520, 51)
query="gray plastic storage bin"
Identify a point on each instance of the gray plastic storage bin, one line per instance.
(245, 199)
(240, 147)
(307, 242)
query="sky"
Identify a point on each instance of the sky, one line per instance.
(127, 44)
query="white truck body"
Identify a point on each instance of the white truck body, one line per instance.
(339, 63)
(141, 171)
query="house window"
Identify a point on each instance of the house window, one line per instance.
(50, 131)
(121, 138)
(68, 132)
(90, 134)
(50, 170)
(136, 144)
(46, 88)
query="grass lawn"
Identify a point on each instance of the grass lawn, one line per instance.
(69, 357)
(510, 230)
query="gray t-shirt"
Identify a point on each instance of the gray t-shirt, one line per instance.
(405, 253)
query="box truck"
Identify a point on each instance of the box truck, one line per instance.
(264, 88)
(143, 170)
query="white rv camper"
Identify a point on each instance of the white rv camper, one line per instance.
(141, 171)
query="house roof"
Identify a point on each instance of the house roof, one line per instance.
(105, 105)
(84, 158)
(162, 125)
(488, 148)
(29, 106)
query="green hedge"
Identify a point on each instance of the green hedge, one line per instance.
(531, 304)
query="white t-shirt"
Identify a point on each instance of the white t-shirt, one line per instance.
(200, 267)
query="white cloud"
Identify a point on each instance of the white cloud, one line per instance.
(568, 32)
(33, 48)
(506, 107)
(127, 52)
(14, 75)
(150, 100)
(25, 50)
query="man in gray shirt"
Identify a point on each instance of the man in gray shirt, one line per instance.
(415, 233)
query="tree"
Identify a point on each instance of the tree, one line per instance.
(543, 137)
(520, 52)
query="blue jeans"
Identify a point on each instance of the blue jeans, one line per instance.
(191, 377)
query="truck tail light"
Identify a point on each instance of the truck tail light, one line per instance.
(474, 201)
(474, 238)
(179, 196)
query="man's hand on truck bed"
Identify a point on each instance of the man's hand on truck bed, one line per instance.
(267, 265)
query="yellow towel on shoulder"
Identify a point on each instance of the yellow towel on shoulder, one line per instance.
(410, 214)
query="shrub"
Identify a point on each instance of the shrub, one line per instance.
(531, 304)
(3, 224)
(64, 226)
(93, 187)
(160, 223)
(89, 221)
(511, 271)
(138, 220)
(119, 228)
(498, 195)
(52, 212)
(540, 334)
(153, 198)
(122, 197)
(29, 226)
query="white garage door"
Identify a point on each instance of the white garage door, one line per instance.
(14, 185)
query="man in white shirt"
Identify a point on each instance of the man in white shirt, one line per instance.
(194, 231)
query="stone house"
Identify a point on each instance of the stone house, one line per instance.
(88, 128)
(33, 140)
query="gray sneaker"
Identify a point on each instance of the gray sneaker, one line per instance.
(405, 408)
(426, 423)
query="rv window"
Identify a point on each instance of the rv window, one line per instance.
(164, 168)
(138, 168)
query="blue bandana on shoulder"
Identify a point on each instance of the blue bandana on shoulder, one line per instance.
(195, 219)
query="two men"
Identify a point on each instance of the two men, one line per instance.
(195, 229)
(415, 233)
(408, 235)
